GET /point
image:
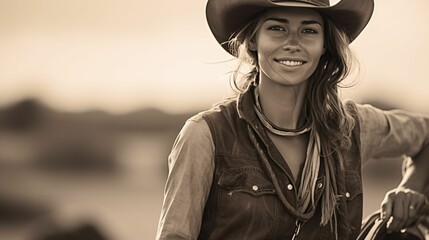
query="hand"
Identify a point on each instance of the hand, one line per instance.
(401, 208)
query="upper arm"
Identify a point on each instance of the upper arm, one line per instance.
(191, 168)
(391, 133)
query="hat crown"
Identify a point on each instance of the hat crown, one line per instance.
(321, 3)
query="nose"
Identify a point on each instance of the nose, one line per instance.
(292, 43)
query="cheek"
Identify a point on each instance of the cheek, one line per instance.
(263, 49)
(317, 51)
(316, 54)
(264, 54)
(263, 62)
(316, 47)
(266, 46)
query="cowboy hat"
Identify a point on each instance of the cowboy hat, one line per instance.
(226, 17)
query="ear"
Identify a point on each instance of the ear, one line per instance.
(323, 50)
(252, 45)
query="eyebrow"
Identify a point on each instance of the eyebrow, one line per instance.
(283, 20)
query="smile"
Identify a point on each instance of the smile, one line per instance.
(291, 63)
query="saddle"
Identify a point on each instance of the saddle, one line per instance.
(374, 228)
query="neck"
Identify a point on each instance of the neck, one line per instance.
(283, 105)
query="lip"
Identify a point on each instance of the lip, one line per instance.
(289, 59)
(294, 60)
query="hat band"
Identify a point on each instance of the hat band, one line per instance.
(320, 3)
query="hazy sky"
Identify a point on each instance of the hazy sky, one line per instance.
(119, 55)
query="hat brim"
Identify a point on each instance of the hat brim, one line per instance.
(227, 17)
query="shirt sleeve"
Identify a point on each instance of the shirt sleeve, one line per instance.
(391, 133)
(191, 169)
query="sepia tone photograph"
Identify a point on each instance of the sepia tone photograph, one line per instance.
(214, 119)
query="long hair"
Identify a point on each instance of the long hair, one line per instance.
(323, 107)
(247, 67)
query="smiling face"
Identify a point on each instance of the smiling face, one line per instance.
(289, 44)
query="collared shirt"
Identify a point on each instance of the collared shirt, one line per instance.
(191, 162)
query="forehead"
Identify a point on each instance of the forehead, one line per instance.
(293, 13)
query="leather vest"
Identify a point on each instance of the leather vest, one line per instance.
(243, 203)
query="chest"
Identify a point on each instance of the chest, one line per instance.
(293, 150)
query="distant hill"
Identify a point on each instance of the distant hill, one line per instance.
(31, 114)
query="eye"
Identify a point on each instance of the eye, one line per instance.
(276, 28)
(309, 31)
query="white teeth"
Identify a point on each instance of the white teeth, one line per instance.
(291, 63)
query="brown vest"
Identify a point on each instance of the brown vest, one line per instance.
(243, 203)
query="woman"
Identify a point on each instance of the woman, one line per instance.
(282, 160)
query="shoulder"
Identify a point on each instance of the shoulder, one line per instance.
(360, 110)
(219, 114)
(200, 126)
(193, 141)
(365, 114)
(226, 106)
(195, 127)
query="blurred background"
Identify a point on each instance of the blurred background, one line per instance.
(94, 92)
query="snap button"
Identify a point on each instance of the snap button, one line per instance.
(289, 186)
(319, 185)
(347, 194)
(255, 188)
